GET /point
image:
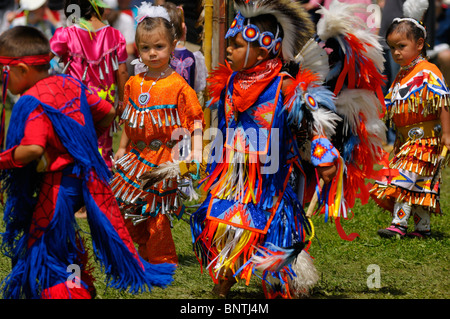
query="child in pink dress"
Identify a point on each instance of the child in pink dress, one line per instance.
(94, 53)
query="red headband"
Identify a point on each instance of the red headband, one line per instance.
(29, 60)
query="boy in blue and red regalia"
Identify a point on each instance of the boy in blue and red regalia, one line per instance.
(51, 167)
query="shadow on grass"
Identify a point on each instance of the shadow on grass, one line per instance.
(438, 235)
(187, 259)
(245, 293)
(380, 293)
(384, 291)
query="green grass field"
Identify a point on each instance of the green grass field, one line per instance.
(408, 268)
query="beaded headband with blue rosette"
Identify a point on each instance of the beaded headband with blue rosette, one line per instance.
(294, 24)
(251, 33)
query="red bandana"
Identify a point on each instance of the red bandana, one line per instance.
(248, 84)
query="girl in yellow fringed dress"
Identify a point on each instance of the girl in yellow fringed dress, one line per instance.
(417, 104)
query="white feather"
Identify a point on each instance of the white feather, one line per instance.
(351, 104)
(415, 9)
(339, 19)
(374, 49)
(147, 10)
(325, 122)
(164, 171)
(313, 57)
(306, 275)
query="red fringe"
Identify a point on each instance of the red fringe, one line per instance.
(304, 79)
(61, 291)
(368, 76)
(217, 80)
(342, 233)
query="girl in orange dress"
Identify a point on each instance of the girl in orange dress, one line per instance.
(160, 108)
(417, 104)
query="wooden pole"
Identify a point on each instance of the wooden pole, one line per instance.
(313, 202)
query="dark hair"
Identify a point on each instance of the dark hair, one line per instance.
(266, 22)
(149, 24)
(24, 41)
(176, 15)
(87, 11)
(411, 31)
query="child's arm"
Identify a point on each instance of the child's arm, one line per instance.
(106, 121)
(445, 123)
(27, 153)
(20, 156)
(124, 140)
(102, 111)
(122, 78)
(197, 145)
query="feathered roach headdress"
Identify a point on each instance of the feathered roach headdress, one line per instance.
(293, 19)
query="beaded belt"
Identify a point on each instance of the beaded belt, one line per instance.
(154, 145)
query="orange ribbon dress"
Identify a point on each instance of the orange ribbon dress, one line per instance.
(413, 103)
(154, 130)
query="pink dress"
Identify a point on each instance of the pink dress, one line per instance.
(93, 57)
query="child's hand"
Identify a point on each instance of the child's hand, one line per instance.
(327, 173)
(445, 140)
(120, 153)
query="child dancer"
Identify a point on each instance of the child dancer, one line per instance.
(159, 105)
(251, 218)
(51, 167)
(94, 53)
(417, 102)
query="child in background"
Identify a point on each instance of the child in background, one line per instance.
(190, 65)
(158, 104)
(125, 24)
(417, 104)
(94, 53)
(37, 14)
(50, 168)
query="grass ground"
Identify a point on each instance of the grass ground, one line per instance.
(408, 268)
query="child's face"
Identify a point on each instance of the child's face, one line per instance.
(37, 15)
(404, 50)
(155, 49)
(237, 51)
